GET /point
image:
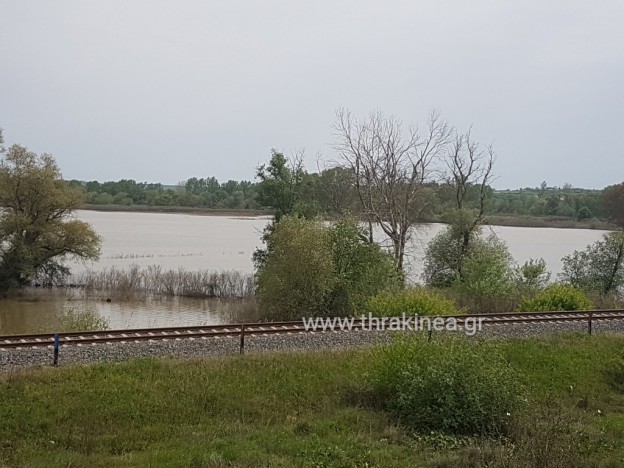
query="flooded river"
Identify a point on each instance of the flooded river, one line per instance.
(196, 242)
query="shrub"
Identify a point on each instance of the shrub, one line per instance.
(532, 277)
(453, 386)
(488, 279)
(613, 373)
(71, 320)
(556, 297)
(418, 300)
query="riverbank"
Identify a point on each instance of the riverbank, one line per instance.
(300, 409)
(549, 222)
(494, 220)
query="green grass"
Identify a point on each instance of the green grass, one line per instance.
(296, 409)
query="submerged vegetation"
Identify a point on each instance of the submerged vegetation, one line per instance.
(563, 395)
(157, 280)
(314, 269)
(72, 320)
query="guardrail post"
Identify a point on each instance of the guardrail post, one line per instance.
(242, 339)
(56, 349)
(589, 325)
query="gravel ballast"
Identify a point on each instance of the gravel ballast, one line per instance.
(220, 346)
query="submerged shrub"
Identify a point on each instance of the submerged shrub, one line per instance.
(556, 297)
(72, 320)
(454, 386)
(418, 300)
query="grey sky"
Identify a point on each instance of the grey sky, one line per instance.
(163, 90)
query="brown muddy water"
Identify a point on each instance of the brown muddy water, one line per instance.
(197, 242)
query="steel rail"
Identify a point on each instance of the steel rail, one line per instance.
(266, 328)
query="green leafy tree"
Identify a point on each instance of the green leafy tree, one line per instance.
(282, 184)
(312, 269)
(285, 187)
(446, 253)
(36, 229)
(599, 268)
(613, 203)
(362, 269)
(298, 272)
(583, 213)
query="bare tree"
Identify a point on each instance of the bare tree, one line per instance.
(469, 169)
(391, 170)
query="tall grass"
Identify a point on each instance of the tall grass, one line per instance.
(156, 280)
(306, 409)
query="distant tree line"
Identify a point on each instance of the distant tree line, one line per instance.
(563, 201)
(199, 193)
(330, 192)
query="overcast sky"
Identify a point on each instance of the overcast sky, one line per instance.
(161, 91)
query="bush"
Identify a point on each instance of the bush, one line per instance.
(418, 300)
(71, 320)
(453, 386)
(613, 373)
(532, 277)
(556, 297)
(488, 279)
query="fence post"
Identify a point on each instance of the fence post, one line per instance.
(589, 325)
(242, 339)
(56, 349)
(429, 333)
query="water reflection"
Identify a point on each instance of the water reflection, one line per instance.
(39, 309)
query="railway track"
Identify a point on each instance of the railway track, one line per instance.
(242, 330)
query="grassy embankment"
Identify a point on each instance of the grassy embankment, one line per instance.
(298, 410)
